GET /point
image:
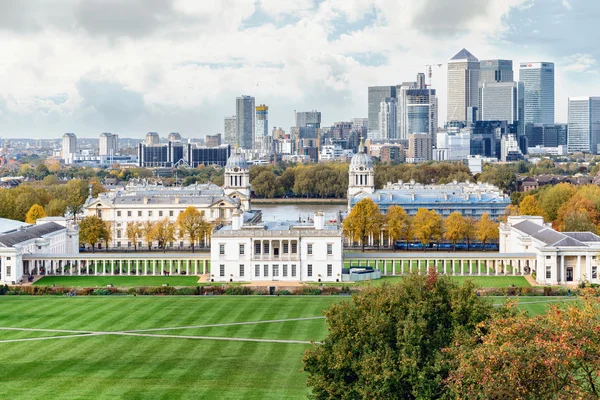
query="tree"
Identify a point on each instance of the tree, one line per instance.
(35, 212)
(551, 198)
(92, 230)
(486, 229)
(191, 225)
(455, 228)
(470, 233)
(555, 355)
(427, 226)
(267, 184)
(530, 206)
(398, 224)
(148, 233)
(387, 342)
(363, 221)
(134, 233)
(77, 192)
(577, 215)
(56, 208)
(107, 234)
(164, 233)
(50, 180)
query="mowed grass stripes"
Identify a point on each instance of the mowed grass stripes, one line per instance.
(131, 367)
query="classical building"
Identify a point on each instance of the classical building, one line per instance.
(277, 251)
(561, 257)
(52, 235)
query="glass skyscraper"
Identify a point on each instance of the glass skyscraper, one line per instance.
(463, 85)
(245, 119)
(503, 101)
(584, 124)
(538, 80)
(496, 71)
(377, 94)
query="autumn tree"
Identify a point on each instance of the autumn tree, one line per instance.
(56, 208)
(92, 230)
(134, 233)
(455, 228)
(398, 225)
(555, 355)
(387, 342)
(577, 215)
(148, 233)
(551, 198)
(35, 212)
(164, 233)
(267, 185)
(363, 221)
(427, 226)
(486, 230)
(530, 206)
(191, 225)
(77, 192)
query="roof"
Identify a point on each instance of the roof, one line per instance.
(550, 237)
(583, 236)
(237, 160)
(416, 198)
(9, 225)
(29, 233)
(464, 54)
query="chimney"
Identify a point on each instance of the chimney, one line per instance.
(319, 220)
(237, 220)
(145, 200)
(176, 199)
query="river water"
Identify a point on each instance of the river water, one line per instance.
(303, 211)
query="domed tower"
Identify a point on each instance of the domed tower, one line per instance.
(361, 174)
(237, 179)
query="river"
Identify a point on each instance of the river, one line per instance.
(293, 211)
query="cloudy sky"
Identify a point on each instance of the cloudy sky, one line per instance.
(133, 66)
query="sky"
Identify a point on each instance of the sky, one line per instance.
(134, 66)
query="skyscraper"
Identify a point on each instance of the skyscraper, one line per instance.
(377, 94)
(230, 131)
(262, 127)
(503, 101)
(496, 71)
(584, 124)
(538, 80)
(388, 128)
(69, 146)
(108, 144)
(245, 121)
(417, 109)
(463, 85)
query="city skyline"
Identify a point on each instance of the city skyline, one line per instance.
(131, 91)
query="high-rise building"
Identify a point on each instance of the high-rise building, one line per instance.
(463, 85)
(69, 146)
(230, 131)
(245, 121)
(495, 71)
(538, 81)
(546, 135)
(154, 154)
(584, 124)
(377, 94)
(417, 109)
(420, 147)
(108, 144)
(212, 140)
(152, 138)
(174, 137)
(262, 127)
(388, 128)
(308, 118)
(503, 101)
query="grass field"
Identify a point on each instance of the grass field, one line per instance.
(481, 281)
(117, 281)
(161, 347)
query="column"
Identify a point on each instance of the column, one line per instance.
(577, 275)
(561, 270)
(170, 267)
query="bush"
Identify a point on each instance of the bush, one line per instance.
(101, 292)
(186, 291)
(307, 291)
(238, 291)
(283, 292)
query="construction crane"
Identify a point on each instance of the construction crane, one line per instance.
(430, 72)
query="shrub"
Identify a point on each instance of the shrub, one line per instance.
(307, 291)
(283, 292)
(238, 291)
(186, 291)
(101, 292)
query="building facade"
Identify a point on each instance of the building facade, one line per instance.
(277, 251)
(538, 82)
(245, 121)
(69, 147)
(417, 109)
(495, 71)
(503, 101)
(463, 85)
(262, 128)
(230, 131)
(212, 140)
(584, 125)
(108, 144)
(420, 147)
(376, 95)
(387, 120)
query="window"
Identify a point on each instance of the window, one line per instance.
(294, 247)
(594, 272)
(149, 213)
(266, 248)
(309, 270)
(160, 213)
(118, 213)
(139, 213)
(119, 234)
(256, 247)
(266, 270)
(221, 270)
(309, 249)
(8, 258)
(548, 271)
(129, 213)
(8, 267)
(118, 244)
(275, 270)
(286, 248)
(293, 270)
(241, 269)
(128, 244)
(221, 249)
(242, 249)
(548, 257)
(329, 249)
(285, 270)
(170, 213)
(329, 270)
(256, 270)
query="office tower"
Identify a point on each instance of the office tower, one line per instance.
(69, 146)
(377, 94)
(417, 109)
(496, 71)
(307, 130)
(245, 121)
(152, 138)
(538, 80)
(262, 126)
(503, 101)
(359, 123)
(546, 135)
(308, 118)
(387, 120)
(108, 144)
(212, 140)
(230, 131)
(420, 147)
(463, 85)
(584, 124)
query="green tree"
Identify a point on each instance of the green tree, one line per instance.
(92, 230)
(267, 184)
(455, 228)
(388, 342)
(486, 230)
(77, 192)
(134, 233)
(56, 208)
(398, 224)
(35, 212)
(427, 225)
(363, 221)
(551, 198)
(191, 224)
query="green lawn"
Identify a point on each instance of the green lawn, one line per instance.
(481, 281)
(117, 281)
(133, 367)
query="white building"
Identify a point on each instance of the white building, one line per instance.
(277, 251)
(561, 257)
(331, 152)
(509, 148)
(69, 147)
(108, 144)
(53, 235)
(387, 119)
(361, 174)
(458, 145)
(584, 124)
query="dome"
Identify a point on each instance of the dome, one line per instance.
(237, 160)
(361, 159)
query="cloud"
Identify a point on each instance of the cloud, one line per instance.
(579, 63)
(566, 4)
